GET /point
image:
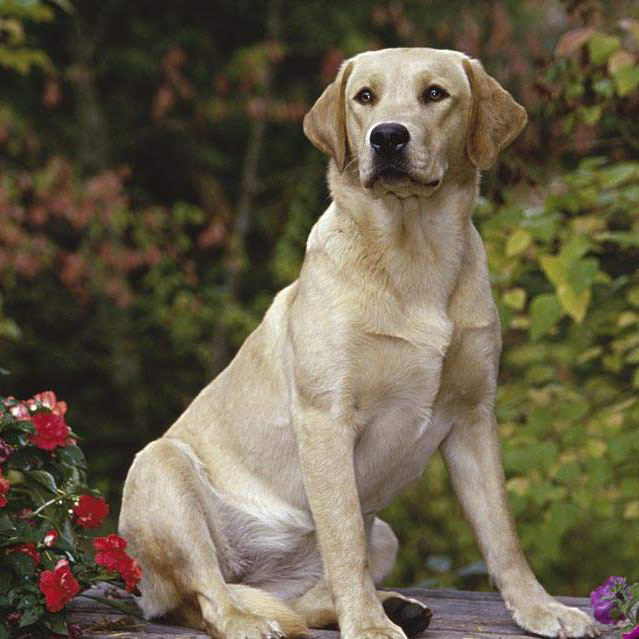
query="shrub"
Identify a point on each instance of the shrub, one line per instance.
(46, 510)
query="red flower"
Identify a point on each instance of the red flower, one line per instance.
(131, 572)
(4, 489)
(111, 556)
(110, 542)
(27, 549)
(51, 431)
(90, 511)
(110, 552)
(58, 586)
(48, 399)
(50, 538)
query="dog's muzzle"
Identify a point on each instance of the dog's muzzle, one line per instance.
(388, 142)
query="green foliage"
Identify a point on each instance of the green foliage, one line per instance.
(16, 53)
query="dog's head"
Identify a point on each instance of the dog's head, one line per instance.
(403, 118)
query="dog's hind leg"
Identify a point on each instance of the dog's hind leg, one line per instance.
(318, 610)
(168, 517)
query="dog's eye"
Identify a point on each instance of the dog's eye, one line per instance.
(365, 96)
(434, 94)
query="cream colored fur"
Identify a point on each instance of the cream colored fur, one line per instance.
(384, 350)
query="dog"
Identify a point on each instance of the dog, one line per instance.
(255, 515)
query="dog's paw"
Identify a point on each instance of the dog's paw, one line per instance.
(410, 615)
(386, 631)
(244, 625)
(549, 618)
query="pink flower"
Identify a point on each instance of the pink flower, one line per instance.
(51, 431)
(14, 617)
(5, 451)
(604, 600)
(17, 409)
(90, 511)
(48, 399)
(633, 634)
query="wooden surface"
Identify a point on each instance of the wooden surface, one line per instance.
(456, 615)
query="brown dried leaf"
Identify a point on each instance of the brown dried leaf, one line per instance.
(619, 60)
(573, 41)
(118, 623)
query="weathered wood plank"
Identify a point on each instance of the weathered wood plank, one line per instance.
(457, 615)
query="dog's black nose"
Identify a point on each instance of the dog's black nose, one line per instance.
(389, 138)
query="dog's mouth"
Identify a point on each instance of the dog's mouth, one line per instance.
(393, 175)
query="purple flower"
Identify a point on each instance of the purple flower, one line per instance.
(604, 600)
(5, 451)
(633, 634)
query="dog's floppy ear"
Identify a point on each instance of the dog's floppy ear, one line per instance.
(495, 118)
(325, 123)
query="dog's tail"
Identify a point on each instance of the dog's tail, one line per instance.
(263, 603)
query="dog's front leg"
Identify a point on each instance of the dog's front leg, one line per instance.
(326, 448)
(473, 458)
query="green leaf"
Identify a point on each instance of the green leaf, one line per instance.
(604, 88)
(4, 633)
(43, 478)
(545, 312)
(602, 46)
(5, 580)
(21, 564)
(625, 239)
(31, 615)
(537, 455)
(613, 176)
(576, 247)
(573, 302)
(633, 296)
(554, 268)
(518, 242)
(23, 426)
(6, 525)
(581, 274)
(28, 601)
(515, 298)
(590, 114)
(626, 80)
(57, 623)
(72, 456)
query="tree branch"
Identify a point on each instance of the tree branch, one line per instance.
(236, 263)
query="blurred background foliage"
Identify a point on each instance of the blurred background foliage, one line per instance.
(156, 190)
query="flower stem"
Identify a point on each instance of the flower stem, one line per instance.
(118, 605)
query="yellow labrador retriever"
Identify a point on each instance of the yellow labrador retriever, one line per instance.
(254, 516)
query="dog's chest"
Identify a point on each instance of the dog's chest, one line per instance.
(397, 384)
(397, 359)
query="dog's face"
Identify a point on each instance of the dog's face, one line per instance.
(403, 118)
